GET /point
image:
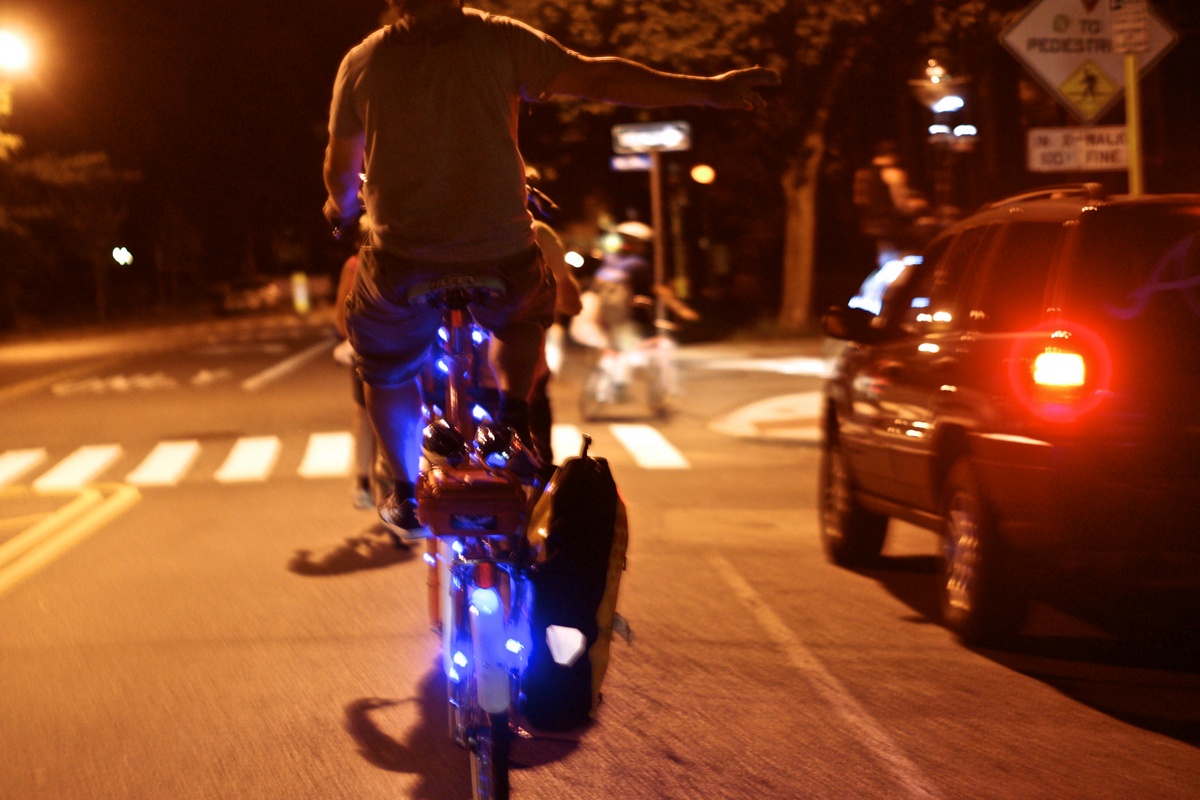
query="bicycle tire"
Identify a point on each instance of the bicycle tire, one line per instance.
(489, 758)
(591, 399)
(657, 394)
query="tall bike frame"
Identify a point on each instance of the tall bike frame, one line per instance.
(477, 554)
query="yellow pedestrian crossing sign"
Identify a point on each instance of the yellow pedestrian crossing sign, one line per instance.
(1069, 46)
(1090, 90)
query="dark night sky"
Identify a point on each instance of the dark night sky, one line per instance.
(220, 104)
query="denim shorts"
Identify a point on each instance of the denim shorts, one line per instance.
(392, 336)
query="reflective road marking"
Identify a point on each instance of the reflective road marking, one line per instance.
(649, 448)
(15, 463)
(166, 465)
(79, 468)
(844, 704)
(274, 373)
(328, 455)
(565, 440)
(251, 459)
(61, 530)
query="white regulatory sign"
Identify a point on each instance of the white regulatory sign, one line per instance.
(1099, 148)
(646, 137)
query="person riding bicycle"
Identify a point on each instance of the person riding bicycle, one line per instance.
(626, 296)
(427, 110)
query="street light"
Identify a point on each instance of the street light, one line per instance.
(15, 55)
(942, 92)
(15, 58)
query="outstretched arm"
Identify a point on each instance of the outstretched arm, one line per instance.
(628, 83)
(343, 163)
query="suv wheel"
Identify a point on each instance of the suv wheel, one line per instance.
(851, 535)
(981, 597)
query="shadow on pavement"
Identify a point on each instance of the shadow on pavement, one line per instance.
(1138, 662)
(370, 549)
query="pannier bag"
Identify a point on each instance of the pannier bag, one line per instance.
(579, 532)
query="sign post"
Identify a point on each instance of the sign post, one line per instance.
(1130, 40)
(1086, 52)
(654, 138)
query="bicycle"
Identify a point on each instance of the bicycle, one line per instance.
(606, 389)
(475, 509)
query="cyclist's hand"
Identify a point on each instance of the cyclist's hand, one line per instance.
(339, 220)
(736, 89)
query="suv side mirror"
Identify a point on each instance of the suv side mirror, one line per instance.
(852, 324)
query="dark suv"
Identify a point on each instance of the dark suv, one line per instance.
(1029, 388)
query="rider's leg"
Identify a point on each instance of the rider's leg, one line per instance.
(514, 354)
(364, 447)
(396, 416)
(541, 420)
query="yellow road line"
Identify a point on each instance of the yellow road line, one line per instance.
(28, 552)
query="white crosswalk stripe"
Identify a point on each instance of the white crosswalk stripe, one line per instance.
(15, 463)
(649, 448)
(166, 465)
(251, 459)
(565, 441)
(257, 458)
(328, 455)
(78, 469)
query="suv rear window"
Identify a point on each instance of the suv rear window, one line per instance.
(1140, 265)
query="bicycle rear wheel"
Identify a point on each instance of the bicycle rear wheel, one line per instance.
(489, 757)
(595, 393)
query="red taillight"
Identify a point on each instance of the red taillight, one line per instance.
(1060, 370)
(1055, 368)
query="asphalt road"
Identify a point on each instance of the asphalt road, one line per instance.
(233, 633)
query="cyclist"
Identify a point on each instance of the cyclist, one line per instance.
(428, 108)
(626, 294)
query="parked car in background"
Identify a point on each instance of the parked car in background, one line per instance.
(1028, 388)
(258, 293)
(255, 293)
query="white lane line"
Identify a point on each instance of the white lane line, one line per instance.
(565, 441)
(328, 455)
(251, 459)
(844, 704)
(166, 465)
(79, 468)
(648, 447)
(15, 463)
(256, 382)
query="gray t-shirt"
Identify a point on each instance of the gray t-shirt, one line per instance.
(445, 180)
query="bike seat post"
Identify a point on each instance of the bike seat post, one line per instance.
(458, 349)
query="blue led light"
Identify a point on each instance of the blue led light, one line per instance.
(430, 559)
(457, 546)
(460, 659)
(443, 367)
(443, 334)
(453, 675)
(477, 336)
(513, 646)
(480, 414)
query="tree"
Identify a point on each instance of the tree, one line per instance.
(818, 48)
(61, 210)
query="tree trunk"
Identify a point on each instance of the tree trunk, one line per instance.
(800, 234)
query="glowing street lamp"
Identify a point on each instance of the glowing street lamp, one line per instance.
(15, 58)
(15, 55)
